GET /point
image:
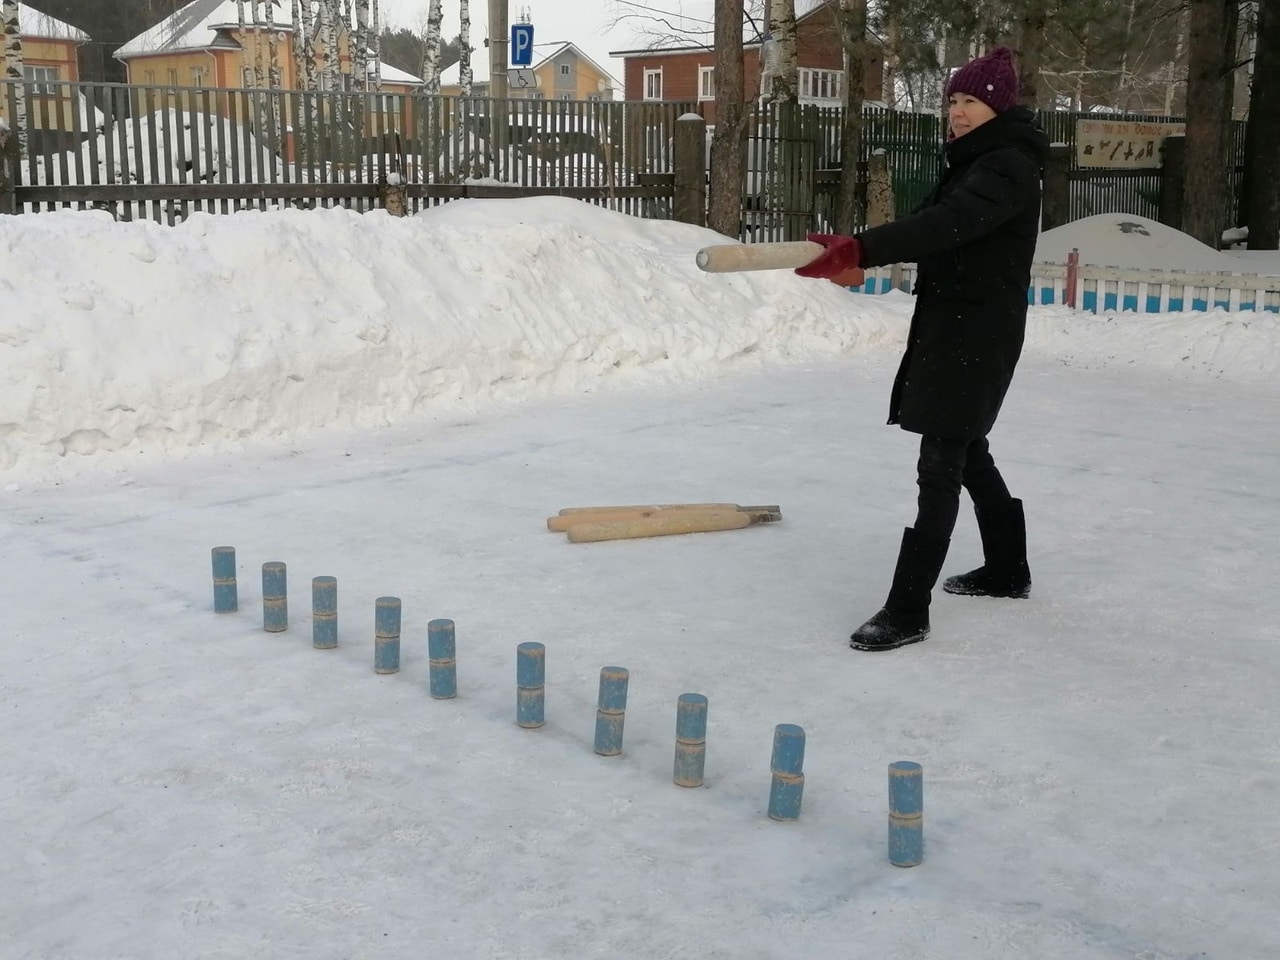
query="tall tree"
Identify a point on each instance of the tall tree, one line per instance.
(784, 71)
(1205, 196)
(431, 48)
(1262, 143)
(360, 47)
(13, 70)
(1030, 44)
(464, 48)
(728, 142)
(853, 34)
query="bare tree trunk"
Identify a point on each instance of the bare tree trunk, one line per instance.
(465, 51)
(377, 46)
(273, 62)
(893, 37)
(728, 142)
(332, 56)
(431, 48)
(360, 47)
(311, 73)
(299, 46)
(853, 34)
(1032, 41)
(1262, 148)
(784, 85)
(1205, 193)
(13, 70)
(1179, 46)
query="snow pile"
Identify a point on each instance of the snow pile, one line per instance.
(142, 338)
(1124, 240)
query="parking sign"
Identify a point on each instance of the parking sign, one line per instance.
(522, 45)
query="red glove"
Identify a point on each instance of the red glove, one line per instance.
(840, 262)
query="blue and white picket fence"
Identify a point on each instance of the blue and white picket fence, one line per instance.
(1115, 289)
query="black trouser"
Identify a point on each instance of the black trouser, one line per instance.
(943, 468)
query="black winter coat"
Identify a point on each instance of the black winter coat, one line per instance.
(973, 239)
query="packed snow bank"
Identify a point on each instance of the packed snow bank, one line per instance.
(141, 338)
(128, 339)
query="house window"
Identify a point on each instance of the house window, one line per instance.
(197, 76)
(706, 83)
(821, 84)
(41, 79)
(173, 77)
(565, 69)
(566, 96)
(653, 84)
(149, 78)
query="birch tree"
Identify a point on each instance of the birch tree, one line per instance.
(431, 48)
(273, 53)
(331, 77)
(465, 49)
(780, 56)
(13, 70)
(360, 45)
(299, 46)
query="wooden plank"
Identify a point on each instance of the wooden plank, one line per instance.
(79, 134)
(170, 101)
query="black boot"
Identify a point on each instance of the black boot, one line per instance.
(905, 616)
(1004, 572)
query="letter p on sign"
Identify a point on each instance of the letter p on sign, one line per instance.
(522, 45)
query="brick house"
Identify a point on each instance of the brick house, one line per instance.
(688, 73)
(49, 57)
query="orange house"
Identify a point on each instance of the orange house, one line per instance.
(49, 56)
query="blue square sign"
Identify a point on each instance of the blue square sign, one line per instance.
(522, 45)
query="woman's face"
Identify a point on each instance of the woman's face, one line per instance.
(967, 113)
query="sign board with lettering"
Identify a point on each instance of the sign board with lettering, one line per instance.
(522, 45)
(1122, 144)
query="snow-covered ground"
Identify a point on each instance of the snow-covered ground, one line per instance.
(401, 403)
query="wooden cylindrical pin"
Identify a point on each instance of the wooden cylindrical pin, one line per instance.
(691, 739)
(275, 597)
(906, 813)
(611, 710)
(787, 763)
(531, 667)
(442, 668)
(324, 612)
(225, 599)
(386, 635)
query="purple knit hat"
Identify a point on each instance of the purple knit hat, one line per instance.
(991, 78)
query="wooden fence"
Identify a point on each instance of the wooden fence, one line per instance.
(163, 152)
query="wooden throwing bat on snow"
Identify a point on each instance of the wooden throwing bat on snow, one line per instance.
(741, 257)
(594, 524)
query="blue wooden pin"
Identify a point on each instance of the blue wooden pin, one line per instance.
(224, 580)
(787, 764)
(275, 597)
(324, 612)
(531, 674)
(386, 635)
(906, 813)
(611, 710)
(691, 739)
(442, 665)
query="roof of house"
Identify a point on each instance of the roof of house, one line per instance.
(451, 76)
(196, 27)
(392, 74)
(41, 26)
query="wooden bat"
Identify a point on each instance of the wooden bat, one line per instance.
(571, 516)
(662, 524)
(640, 507)
(740, 257)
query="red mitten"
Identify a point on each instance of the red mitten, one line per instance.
(840, 261)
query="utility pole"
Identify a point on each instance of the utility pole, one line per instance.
(498, 41)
